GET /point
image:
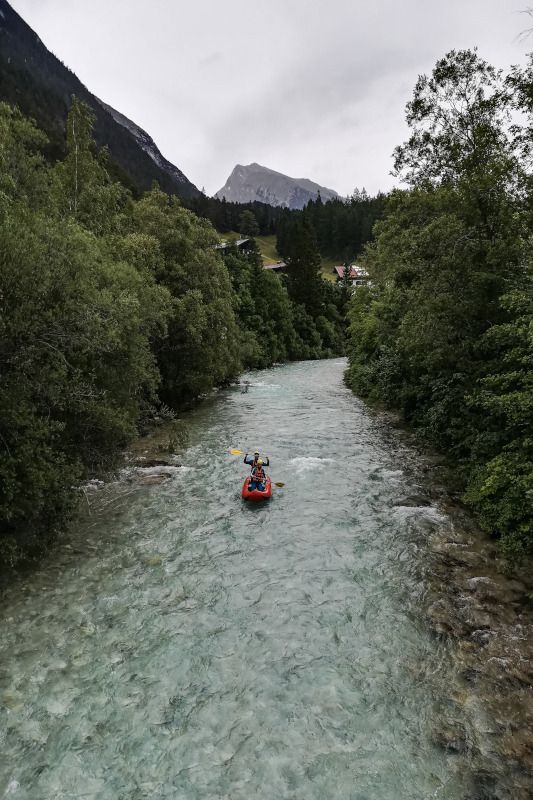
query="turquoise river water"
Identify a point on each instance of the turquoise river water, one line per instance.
(182, 644)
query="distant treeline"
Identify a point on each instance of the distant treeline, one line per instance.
(342, 227)
(445, 331)
(111, 306)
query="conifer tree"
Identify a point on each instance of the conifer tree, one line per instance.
(248, 224)
(303, 261)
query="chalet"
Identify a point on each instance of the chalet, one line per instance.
(278, 266)
(358, 275)
(240, 244)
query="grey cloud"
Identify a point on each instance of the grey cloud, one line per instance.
(211, 60)
(309, 98)
(313, 88)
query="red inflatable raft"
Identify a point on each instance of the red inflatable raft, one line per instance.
(255, 494)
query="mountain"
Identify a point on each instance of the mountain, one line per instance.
(33, 79)
(147, 144)
(254, 182)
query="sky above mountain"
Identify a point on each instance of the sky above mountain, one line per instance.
(311, 88)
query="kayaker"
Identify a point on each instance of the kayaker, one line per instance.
(253, 461)
(258, 477)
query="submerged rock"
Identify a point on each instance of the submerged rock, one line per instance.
(146, 463)
(451, 738)
(154, 479)
(152, 560)
(413, 501)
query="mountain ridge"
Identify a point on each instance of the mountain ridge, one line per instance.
(254, 182)
(35, 80)
(146, 143)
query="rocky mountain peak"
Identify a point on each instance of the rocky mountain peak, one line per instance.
(253, 182)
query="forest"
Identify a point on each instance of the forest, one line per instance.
(341, 227)
(445, 332)
(112, 307)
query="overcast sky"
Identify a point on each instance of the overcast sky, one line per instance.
(312, 88)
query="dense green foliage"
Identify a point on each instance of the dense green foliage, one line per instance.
(228, 217)
(275, 326)
(445, 331)
(343, 227)
(340, 228)
(248, 225)
(110, 306)
(75, 330)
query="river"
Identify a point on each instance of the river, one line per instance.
(182, 644)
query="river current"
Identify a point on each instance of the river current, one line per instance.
(182, 644)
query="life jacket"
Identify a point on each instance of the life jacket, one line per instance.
(258, 473)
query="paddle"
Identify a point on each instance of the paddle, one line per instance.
(236, 452)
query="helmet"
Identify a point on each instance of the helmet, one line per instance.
(260, 462)
(256, 453)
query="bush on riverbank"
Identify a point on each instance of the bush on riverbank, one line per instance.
(445, 331)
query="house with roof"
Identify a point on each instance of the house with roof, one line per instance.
(277, 266)
(241, 244)
(358, 276)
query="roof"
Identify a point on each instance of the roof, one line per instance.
(276, 265)
(238, 243)
(355, 272)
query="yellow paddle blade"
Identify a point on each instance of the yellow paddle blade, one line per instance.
(279, 483)
(235, 452)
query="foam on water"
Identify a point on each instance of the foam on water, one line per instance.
(302, 464)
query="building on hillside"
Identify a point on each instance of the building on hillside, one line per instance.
(358, 275)
(278, 266)
(241, 244)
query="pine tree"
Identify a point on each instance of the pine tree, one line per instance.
(303, 262)
(248, 224)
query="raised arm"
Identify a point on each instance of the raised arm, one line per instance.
(248, 459)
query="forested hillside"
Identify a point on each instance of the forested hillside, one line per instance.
(110, 306)
(445, 332)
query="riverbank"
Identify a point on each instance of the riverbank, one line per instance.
(482, 605)
(487, 614)
(479, 604)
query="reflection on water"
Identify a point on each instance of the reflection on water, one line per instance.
(182, 644)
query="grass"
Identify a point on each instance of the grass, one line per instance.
(267, 247)
(266, 244)
(231, 236)
(326, 269)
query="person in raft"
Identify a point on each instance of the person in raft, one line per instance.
(253, 461)
(258, 477)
